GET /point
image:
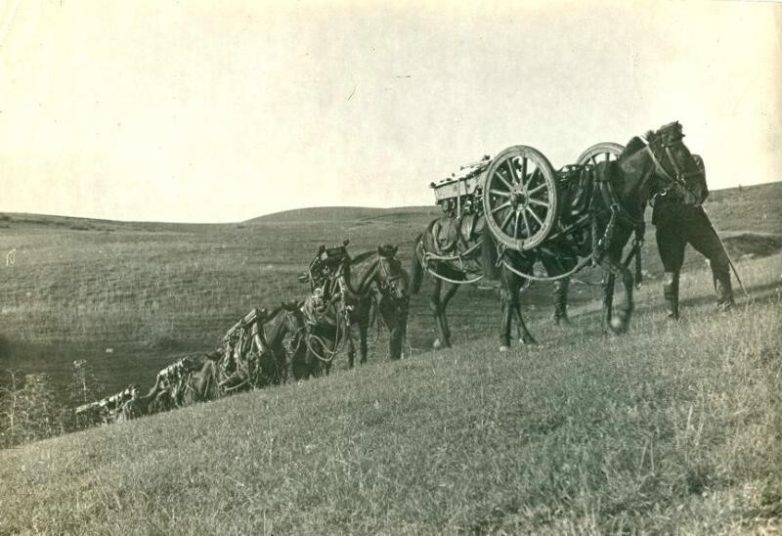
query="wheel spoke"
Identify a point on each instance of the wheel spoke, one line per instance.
(523, 169)
(536, 189)
(526, 223)
(516, 226)
(500, 193)
(502, 206)
(507, 219)
(511, 171)
(538, 202)
(499, 176)
(537, 219)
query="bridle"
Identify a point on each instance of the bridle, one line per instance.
(389, 283)
(680, 178)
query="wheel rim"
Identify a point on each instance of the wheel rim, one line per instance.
(520, 197)
(601, 152)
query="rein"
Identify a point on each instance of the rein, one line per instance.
(681, 177)
(426, 258)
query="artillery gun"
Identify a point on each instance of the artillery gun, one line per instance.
(107, 408)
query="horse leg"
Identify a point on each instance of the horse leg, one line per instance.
(525, 337)
(394, 316)
(509, 291)
(351, 348)
(560, 301)
(363, 328)
(608, 299)
(620, 321)
(446, 330)
(435, 306)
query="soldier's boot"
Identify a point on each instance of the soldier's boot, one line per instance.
(724, 290)
(671, 294)
(560, 302)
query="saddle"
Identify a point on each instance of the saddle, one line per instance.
(450, 233)
(318, 310)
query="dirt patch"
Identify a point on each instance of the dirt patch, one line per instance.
(752, 245)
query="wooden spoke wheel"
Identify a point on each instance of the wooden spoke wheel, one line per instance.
(520, 197)
(602, 152)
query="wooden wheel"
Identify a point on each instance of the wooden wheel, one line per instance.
(520, 197)
(602, 152)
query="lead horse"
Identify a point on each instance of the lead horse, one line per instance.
(603, 208)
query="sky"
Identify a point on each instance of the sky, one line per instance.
(200, 111)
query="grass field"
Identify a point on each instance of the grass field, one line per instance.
(673, 428)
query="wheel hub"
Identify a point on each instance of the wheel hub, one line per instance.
(518, 198)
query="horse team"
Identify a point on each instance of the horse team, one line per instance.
(601, 207)
(296, 340)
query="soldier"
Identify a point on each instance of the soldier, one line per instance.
(678, 224)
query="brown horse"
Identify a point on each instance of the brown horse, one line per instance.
(616, 195)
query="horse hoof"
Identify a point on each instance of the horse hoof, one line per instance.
(437, 344)
(504, 348)
(527, 341)
(618, 325)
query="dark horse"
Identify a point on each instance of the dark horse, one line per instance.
(344, 289)
(600, 209)
(450, 250)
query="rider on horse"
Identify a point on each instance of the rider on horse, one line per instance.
(678, 224)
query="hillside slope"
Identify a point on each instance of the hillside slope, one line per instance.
(674, 427)
(130, 296)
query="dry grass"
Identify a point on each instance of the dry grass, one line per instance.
(674, 428)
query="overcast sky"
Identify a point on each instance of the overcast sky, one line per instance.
(223, 111)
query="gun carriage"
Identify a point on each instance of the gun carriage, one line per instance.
(520, 199)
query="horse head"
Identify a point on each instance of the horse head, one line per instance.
(676, 168)
(326, 265)
(661, 164)
(391, 276)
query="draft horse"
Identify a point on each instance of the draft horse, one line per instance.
(258, 357)
(604, 205)
(345, 291)
(450, 251)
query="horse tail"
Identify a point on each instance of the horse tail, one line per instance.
(415, 268)
(489, 255)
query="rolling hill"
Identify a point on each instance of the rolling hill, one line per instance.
(674, 427)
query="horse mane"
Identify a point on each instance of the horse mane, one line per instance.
(274, 312)
(633, 146)
(361, 257)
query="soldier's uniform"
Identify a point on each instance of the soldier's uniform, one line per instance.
(676, 226)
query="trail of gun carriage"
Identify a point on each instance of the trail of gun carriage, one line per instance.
(509, 229)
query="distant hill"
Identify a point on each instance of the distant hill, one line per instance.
(332, 214)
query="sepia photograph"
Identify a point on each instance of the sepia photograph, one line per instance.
(342, 267)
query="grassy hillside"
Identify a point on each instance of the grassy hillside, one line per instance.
(129, 296)
(673, 428)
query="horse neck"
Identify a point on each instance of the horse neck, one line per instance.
(276, 328)
(359, 274)
(632, 182)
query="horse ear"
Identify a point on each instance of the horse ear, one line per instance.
(321, 249)
(345, 242)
